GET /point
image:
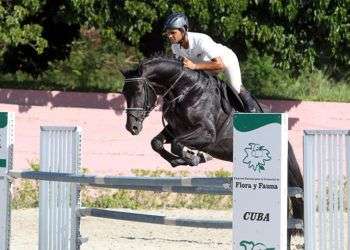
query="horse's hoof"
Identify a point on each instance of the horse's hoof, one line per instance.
(177, 162)
(204, 157)
(194, 161)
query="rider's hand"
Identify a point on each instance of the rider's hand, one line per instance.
(189, 64)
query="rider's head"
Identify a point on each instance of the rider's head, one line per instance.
(176, 27)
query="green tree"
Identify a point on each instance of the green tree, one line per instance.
(301, 34)
(15, 31)
(298, 35)
(36, 32)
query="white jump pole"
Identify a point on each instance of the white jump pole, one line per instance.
(6, 158)
(59, 202)
(327, 185)
(260, 188)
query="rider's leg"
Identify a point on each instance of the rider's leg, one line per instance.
(233, 74)
(248, 100)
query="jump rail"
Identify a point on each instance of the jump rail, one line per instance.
(155, 219)
(217, 186)
(108, 181)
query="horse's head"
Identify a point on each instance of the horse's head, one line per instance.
(140, 98)
(152, 77)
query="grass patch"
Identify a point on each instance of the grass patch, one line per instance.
(25, 194)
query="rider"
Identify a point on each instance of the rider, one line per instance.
(199, 52)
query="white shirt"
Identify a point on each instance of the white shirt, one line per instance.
(201, 48)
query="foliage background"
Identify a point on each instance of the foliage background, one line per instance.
(287, 49)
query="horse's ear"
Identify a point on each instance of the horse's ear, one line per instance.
(124, 73)
(129, 73)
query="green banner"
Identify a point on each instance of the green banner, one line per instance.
(245, 122)
(3, 119)
(2, 163)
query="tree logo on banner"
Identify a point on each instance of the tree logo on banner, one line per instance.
(250, 245)
(256, 156)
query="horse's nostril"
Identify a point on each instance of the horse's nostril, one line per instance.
(134, 128)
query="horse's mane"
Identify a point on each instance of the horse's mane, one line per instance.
(160, 56)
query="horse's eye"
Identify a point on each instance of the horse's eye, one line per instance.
(139, 89)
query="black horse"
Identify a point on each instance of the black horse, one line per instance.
(197, 112)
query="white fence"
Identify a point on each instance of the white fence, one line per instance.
(59, 201)
(327, 182)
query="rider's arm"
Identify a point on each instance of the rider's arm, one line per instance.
(211, 50)
(215, 64)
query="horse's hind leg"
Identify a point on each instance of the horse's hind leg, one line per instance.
(295, 179)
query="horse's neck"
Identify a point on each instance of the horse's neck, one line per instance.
(171, 80)
(188, 83)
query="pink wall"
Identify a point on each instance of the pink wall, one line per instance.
(109, 149)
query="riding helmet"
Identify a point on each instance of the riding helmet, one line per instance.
(176, 21)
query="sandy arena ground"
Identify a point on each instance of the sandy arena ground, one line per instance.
(106, 234)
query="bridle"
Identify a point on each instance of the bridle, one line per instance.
(147, 86)
(147, 106)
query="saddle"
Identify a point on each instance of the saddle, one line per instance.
(230, 99)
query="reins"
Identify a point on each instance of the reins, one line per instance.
(147, 108)
(147, 83)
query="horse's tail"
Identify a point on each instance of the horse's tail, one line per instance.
(295, 179)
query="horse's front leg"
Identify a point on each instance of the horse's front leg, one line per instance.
(157, 144)
(200, 137)
(191, 157)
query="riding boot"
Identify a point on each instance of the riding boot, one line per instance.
(248, 101)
